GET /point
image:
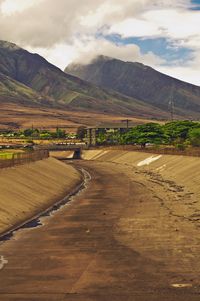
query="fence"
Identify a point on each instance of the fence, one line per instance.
(194, 152)
(24, 158)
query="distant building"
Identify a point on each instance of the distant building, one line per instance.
(92, 132)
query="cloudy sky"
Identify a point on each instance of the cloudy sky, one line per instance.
(164, 34)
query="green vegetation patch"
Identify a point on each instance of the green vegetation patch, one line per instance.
(6, 155)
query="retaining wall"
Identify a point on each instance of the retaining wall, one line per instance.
(29, 189)
(184, 170)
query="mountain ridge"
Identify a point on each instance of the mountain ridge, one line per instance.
(141, 82)
(66, 90)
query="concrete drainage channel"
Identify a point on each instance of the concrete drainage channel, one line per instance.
(36, 221)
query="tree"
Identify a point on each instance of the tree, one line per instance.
(146, 133)
(101, 138)
(194, 136)
(45, 136)
(31, 132)
(81, 132)
(60, 133)
(177, 131)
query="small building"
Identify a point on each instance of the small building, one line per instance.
(92, 132)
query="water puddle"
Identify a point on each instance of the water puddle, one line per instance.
(37, 222)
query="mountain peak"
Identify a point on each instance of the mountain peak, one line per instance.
(102, 57)
(20, 68)
(141, 82)
(8, 45)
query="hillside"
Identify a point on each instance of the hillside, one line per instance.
(65, 90)
(20, 116)
(13, 91)
(141, 82)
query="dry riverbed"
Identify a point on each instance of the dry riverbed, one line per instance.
(129, 235)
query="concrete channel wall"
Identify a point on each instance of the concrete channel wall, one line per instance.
(184, 170)
(29, 189)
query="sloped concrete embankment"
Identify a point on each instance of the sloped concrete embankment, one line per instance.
(27, 190)
(183, 170)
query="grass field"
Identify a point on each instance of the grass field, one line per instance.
(6, 155)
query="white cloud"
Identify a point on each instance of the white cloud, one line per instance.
(67, 30)
(60, 55)
(135, 28)
(185, 24)
(185, 73)
(174, 24)
(83, 51)
(86, 53)
(9, 7)
(44, 23)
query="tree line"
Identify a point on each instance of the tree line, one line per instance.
(34, 133)
(180, 134)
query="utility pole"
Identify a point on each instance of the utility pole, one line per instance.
(171, 103)
(127, 122)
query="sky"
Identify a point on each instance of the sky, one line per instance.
(164, 34)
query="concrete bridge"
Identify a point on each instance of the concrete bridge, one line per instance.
(62, 149)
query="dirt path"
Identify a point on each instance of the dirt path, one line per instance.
(105, 245)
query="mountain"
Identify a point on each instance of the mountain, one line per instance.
(35, 72)
(11, 90)
(57, 88)
(141, 82)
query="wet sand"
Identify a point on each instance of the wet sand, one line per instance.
(119, 239)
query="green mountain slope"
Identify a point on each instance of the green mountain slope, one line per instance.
(141, 82)
(13, 91)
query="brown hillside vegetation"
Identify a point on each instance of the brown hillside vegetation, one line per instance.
(15, 116)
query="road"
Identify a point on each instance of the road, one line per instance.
(81, 252)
